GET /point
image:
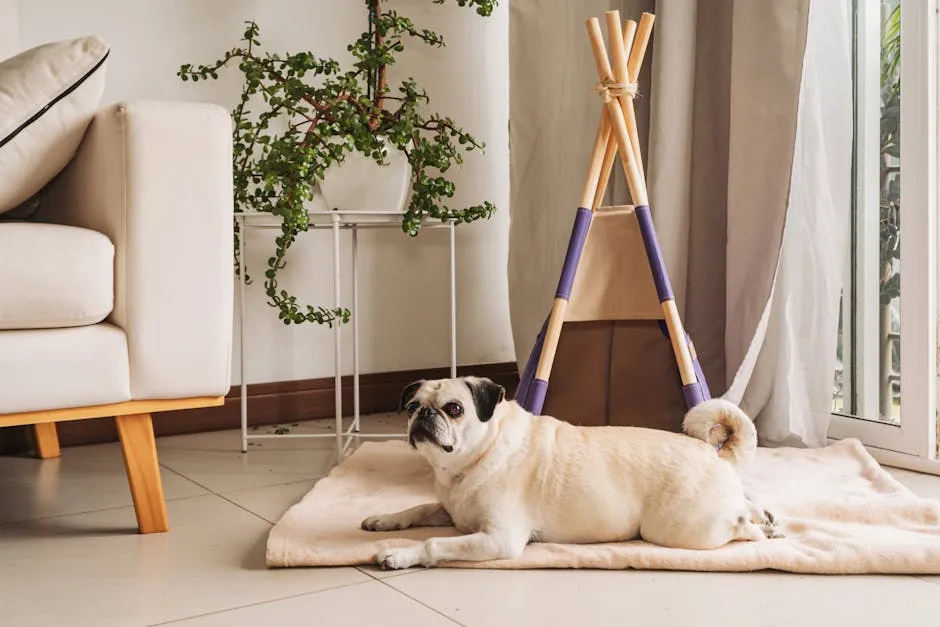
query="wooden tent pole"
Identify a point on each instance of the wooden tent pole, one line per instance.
(615, 113)
(616, 133)
(556, 318)
(637, 185)
(634, 63)
(636, 39)
(595, 185)
(629, 32)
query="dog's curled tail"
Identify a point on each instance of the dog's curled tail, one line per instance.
(721, 423)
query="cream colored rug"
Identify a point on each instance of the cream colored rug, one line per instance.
(840, 511)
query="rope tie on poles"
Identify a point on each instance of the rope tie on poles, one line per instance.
(608, 89)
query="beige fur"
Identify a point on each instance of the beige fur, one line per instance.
(516, 478)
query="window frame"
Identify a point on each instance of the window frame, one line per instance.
(916, 436)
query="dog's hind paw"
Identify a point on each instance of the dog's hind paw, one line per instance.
(770, 527)
(388, 522)
(766, 521)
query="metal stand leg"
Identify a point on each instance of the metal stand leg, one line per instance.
(344, 437)
(355, 321)
(453, 302)
(337, 342)
(241, 336)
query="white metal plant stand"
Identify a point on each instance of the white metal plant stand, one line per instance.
(336, 221)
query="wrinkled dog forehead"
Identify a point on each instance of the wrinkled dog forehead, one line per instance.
(477, 394)
(435, 392)
(443, 391)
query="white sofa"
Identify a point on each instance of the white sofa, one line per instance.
(116, 296)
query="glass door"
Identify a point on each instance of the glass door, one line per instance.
(885, 380)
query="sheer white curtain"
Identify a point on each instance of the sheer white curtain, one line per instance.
(786, 376)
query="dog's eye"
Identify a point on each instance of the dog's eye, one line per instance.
(412, 407)
(454, 410)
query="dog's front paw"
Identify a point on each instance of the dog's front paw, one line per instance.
(388, 522)
(399, 557)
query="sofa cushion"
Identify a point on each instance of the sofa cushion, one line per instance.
(62, 368)
(54, 276)
(48, 96)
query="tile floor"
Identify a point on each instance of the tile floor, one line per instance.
(70, 556)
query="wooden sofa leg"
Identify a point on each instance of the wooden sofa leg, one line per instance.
(143, 471)
(46, 440)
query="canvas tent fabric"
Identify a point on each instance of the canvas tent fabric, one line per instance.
(614, 315)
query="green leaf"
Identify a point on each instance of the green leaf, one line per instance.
(891, 289)
(299, 115)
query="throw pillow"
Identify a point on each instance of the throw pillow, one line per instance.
(48, 96)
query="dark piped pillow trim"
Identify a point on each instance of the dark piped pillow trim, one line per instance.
(52, 102)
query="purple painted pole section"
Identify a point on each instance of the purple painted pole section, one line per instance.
(700, 376)
(693, 395)
(525, 380)
(654, 253)
(582, 223)
(536, 398)
(533, 391)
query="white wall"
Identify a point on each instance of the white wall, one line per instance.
(403, 290)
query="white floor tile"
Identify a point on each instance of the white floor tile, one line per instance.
(271, 502)
(215, 460)
(378, 573)
(921, 484)
(94, 569)
(84, 479)
(599, 598)
(371, 603)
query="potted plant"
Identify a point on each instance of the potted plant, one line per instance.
(300, 117)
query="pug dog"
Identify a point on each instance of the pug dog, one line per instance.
(505, 477)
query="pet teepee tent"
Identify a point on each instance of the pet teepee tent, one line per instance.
(614, 345)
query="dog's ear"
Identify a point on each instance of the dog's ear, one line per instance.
(486, 396)
(409, 393)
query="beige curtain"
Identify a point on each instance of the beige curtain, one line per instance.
(745, 112)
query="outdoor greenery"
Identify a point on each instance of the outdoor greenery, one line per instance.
(300, 115)
(890, 211)
(890, 155)
(889, 216)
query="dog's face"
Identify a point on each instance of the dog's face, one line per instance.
(450, 417)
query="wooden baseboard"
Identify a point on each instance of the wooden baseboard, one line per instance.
(268, 404)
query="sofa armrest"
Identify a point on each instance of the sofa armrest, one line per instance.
(156, 178)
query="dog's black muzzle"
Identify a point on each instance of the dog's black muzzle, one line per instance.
(424, 429)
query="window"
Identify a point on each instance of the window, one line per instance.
(885, 379)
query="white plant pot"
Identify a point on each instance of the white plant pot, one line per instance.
(359, 184)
